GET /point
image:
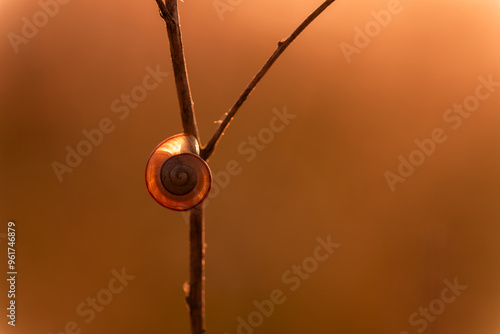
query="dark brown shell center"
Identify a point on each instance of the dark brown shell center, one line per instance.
(177, 176)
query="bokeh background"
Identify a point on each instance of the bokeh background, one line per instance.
(323, 175)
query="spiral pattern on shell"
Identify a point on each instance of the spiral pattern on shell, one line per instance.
(176, 176)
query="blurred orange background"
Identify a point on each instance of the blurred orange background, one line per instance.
(323, 175)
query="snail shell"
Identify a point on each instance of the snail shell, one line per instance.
(176, 176)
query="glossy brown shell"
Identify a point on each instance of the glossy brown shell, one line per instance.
(176, 176)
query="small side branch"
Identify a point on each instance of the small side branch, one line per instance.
(170, 15)
(208, 150)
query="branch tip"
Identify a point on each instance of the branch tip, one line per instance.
(208, 150)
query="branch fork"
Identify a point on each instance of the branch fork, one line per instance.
(195, 289)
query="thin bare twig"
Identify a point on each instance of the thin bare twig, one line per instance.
(196, 296)
(170, 15)
(195, 291)
(163, 10)
(208, 150)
